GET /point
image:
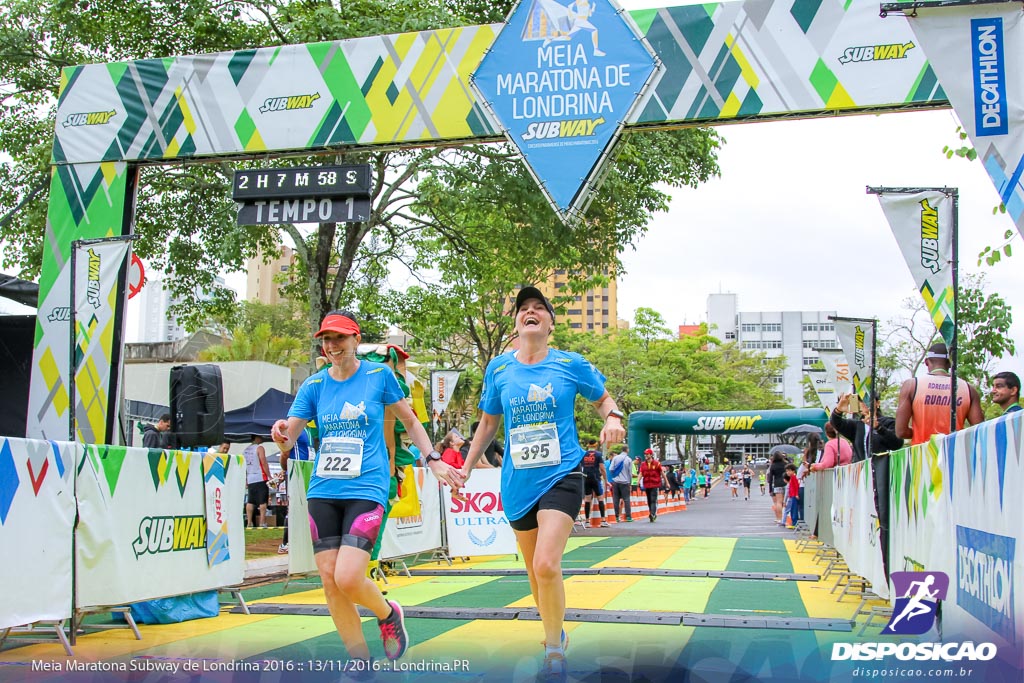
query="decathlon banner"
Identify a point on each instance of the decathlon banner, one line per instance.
(142, 525)
(477, 525)
(857, 337)
(218, 546)
(975, 51)
(855, 524)
(823, 388)
(983, 542)
(300, 538)
(37, 514)
(922, 223)
(918, 509)
(417, 533)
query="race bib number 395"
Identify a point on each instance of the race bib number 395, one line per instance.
(535, 446)
(341, 457)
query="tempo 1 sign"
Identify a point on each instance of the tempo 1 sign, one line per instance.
(305, 210)
(308, 194)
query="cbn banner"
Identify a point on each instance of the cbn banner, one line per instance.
(37, 514)
(478, 525)
(823, 388)
(837, 371)
(857, 337)
(218, 547)
(300, 538)
(975, 52)
(855, 524)
(142, 525)
(922, 224)
(418, 533)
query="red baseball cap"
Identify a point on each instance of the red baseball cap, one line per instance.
(648, 451)
(341, 322)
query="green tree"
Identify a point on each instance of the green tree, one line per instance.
(259, 343)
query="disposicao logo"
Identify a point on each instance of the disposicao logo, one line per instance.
(288, 103)
(989, 69)
(918, 596)
(930, 237)
(93, 118)
(876, 53)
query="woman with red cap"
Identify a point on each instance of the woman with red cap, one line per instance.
(351, 400)
(535, 390)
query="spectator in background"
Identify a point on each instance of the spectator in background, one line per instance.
(619, 472)
(594, 476)
(653, 477)
(837, 451)
(494, 452)
(1006, 391)
(811, 455)
(158, 435)
(923, 408)
(793, 496)
(257, 473)
(777, 483)
(450, 445)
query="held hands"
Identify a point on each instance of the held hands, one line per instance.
(448, 475)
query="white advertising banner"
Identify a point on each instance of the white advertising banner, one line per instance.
(477, 525)
(857, 338)
(37, 514)
(98, 268)
(142, 525)
(418, 533)
(922, 223)
(982, 548)
(975, 52)
(823, 389)
(855, 524)
(442, 386)
(300, 538)
(837, 371)
(218, 545)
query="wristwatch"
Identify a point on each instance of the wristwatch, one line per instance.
(433, 455)
(616, 413)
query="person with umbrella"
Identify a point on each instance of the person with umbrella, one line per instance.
(777, 483)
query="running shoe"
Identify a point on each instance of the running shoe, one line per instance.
(651, 517)
(629, 519)
(555, 669)
(282, 549)
(393, 633)
(604, 522)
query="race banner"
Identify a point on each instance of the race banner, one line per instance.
(855, 524)
(37, 514)
(823, 388)
(837, 370)
(982, 544)
(300, 539)
(98, 267)
(477, 525)
(972, 49)
(142, 525)
(442, 386)
(922, 223)
(419, 533)
(215, 467)
(857, 338)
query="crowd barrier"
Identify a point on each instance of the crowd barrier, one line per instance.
(955, 506)
(151, 524)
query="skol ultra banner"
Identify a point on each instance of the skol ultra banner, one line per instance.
(142, 530)
(97, 320)
(477, 525)
(855, 524)
(922, 223)
(975, 52)
(37, 514)
(857, 338)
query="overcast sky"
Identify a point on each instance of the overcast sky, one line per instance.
(789, 226)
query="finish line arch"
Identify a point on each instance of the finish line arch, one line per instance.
(722, 62)
(708, 422)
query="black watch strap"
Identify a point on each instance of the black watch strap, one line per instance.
(433, 455)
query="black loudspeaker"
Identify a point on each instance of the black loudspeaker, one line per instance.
(197, 405)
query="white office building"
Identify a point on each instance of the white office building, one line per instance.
(155, 323)
(793, 334)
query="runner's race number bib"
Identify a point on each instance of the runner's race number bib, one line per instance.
(535, 446)
(341, 457)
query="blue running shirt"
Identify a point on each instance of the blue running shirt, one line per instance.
(352, 408)
(537, 394)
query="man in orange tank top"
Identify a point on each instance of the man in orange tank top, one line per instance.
(923, 408)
